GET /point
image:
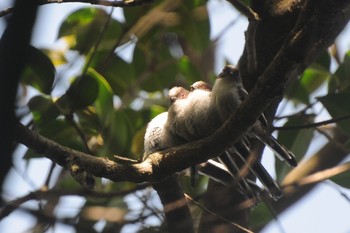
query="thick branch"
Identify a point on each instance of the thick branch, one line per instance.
(13, 54)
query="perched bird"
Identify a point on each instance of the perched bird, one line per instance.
(239, 152)
(194, 118)
(228, 92)
(159, 137)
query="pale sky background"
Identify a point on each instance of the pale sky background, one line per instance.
(323, 211)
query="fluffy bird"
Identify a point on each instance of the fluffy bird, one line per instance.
(195, 117)
(159, 137)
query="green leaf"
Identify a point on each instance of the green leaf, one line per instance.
(134, 14)
(118, 73)
(82, 28)
(39, 72)
(195, 27)
(114, 125)
(83, 91)
(340, 79)
(338, 105)
(260, 216)
(139, 61)
(298, 141)
(312, 79)
(324, 60)
(43, 109)
(189, 70)
(104, 101)
(164, 77)
(342, 179)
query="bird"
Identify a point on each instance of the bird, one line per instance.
(194, 118)
(227, 94)
(158, 137)
(239, 152)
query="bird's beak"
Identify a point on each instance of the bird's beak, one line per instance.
(221, 75)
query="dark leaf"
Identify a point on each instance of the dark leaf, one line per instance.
(83, 91)
(338, 105)
(340, 79)
(118, 73)
(82, 28)
(260, 216)
(343, 179)
(39, 72)
(312, 79)
(43, 109)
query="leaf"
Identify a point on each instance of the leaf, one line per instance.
(340, 79)
(137, 142)
(39, 72)
(83, 91)
(83, 27)
(338, 105)
(260, 216)
(118, 73)
(57, 57)
(188, 69)
(342, 179)
(312, 79)
(195, 27)
(43, 109)
(104, 100)
(297, 141)
(114, 124)
(133, 14)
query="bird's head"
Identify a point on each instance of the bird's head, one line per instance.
(176, 93)
(201, 85)
(229, 72)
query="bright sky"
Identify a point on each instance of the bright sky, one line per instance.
(322, 211)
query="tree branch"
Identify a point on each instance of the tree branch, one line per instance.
(123, 4)
(13, 54)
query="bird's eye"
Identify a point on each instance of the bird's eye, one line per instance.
(234, 72)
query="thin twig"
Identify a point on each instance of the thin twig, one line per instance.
(245, 10)
(313, 125)
(93, 50)
(123, 4)
(44, 194)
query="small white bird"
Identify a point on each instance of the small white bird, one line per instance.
(159, 137)
(194, 118)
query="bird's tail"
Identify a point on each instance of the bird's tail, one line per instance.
(259, 171)
(278, 149)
